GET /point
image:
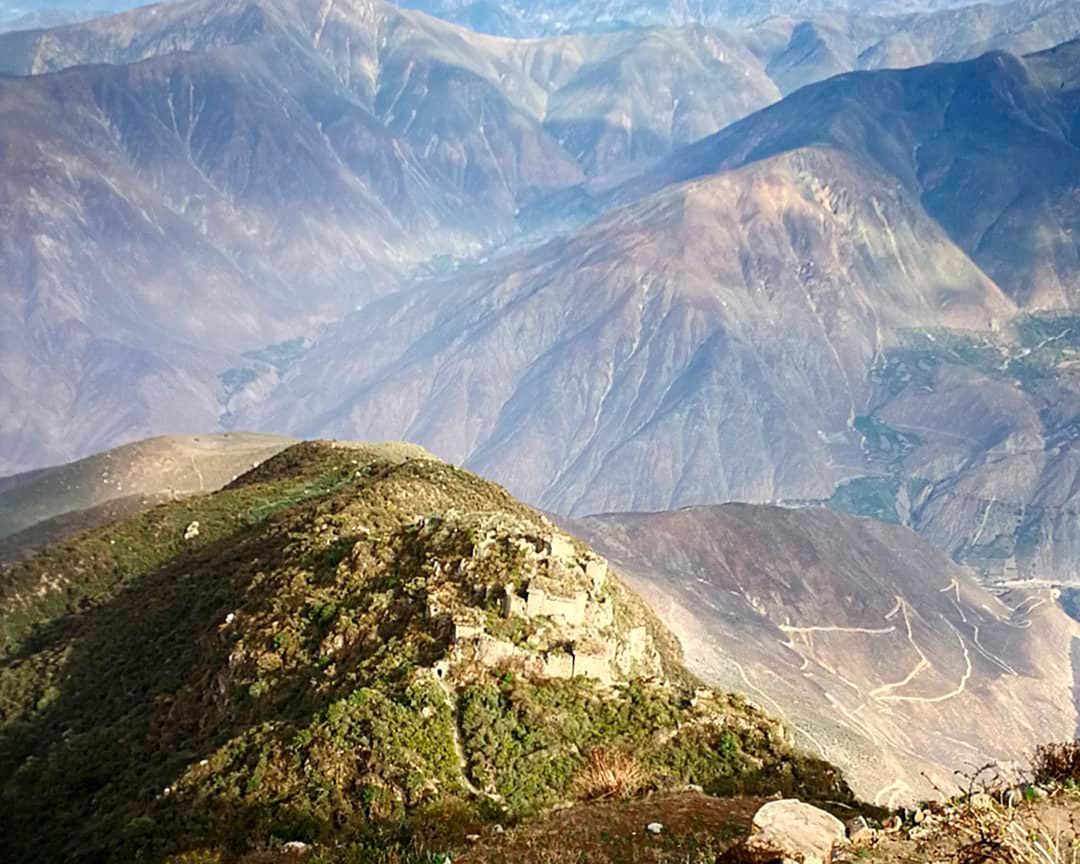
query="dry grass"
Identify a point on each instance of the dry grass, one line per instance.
(608, 774)
(1010, 835)
(697, 829)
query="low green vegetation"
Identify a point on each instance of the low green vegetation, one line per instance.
(236, 379)
(872, 497)
(885, 445)
(528, 742)
(1030, 353)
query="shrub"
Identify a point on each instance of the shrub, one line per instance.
(608, 774)
(1057, 763)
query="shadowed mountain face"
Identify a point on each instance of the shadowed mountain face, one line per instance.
(244, 173)
(706, 344)
(884, 655)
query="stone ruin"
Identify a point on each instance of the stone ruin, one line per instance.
(564, 596)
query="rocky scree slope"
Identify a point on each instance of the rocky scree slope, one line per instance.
(350, 634)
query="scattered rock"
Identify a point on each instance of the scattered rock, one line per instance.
(654, 828)
(921, 832)
(790, 831)
(192, 530)
(920, 816)
(859, 831)
(892, 824)
(473, 838)
(497, 829)
(295, 847)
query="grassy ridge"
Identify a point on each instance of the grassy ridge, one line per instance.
(273, 679)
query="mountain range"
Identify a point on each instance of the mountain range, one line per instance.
(860, 295)
(284, 216)
(557, 16)
(267, 168)
(634, 263)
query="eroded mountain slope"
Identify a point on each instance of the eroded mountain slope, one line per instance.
(886, 656)
(707, 344)
(825, 300)
(224, 178)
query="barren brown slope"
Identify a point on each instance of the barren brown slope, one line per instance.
(707, 344)
(159, 468)
(887, 657)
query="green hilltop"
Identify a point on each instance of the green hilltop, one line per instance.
(352, 641)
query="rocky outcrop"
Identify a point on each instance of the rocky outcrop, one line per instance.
(556, 619)
(789, 832)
